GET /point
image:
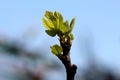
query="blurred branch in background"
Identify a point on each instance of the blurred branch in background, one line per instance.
(18, 62)
(94, 69)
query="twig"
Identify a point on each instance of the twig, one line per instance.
(66, 60)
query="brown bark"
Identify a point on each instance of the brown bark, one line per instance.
(66, 60)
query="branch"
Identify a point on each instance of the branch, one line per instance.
(66, 60)
(56, 25)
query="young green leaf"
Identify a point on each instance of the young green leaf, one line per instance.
(56, 50)
(47, 23)
(71, 36)
(60, 19)
(72, 24)
(53, 20)
(55, 24)
(64, 29)
(58, 24)
(51, 33)
(56, 14)
(48, 14)
(66, 23)
(59, 16)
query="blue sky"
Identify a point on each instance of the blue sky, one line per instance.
(97, 18)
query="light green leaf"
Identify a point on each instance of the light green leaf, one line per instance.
(56, 50)
(58, 24)
(59, 16)
(47, 23)
(72, 24)
(51, 32)
(56, 15)
(66, 23)
(71, 36)
(64, 29)
(48, 14)
(53, 21)
(59, 19)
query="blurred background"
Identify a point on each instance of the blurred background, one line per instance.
(25, 47)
